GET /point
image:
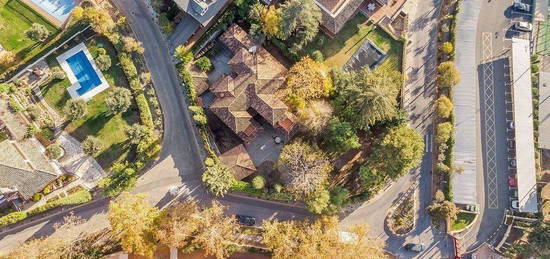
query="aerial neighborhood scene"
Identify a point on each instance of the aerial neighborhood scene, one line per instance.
(274, 129)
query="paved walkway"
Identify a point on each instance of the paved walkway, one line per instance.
(75, 161)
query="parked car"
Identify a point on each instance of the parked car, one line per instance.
(415, 247)
(246, 220)
(521, 7)
(514, 194)
(511, 125)
(511, 144)
(515, 204)
(472, 208)
(513, 163)
(523, 26)
(512, 182)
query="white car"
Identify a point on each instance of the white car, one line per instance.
(515, 204)
(523, 26)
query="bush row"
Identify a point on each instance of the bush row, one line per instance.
(79, 197)
(247, 188)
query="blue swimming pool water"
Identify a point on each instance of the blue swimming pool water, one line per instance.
(84, 72)
(60, 9)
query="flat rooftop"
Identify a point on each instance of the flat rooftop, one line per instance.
(523, 125)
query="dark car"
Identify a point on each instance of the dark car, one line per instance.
(246, 220)
(519, 6)
(415, 247)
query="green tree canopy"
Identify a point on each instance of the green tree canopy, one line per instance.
(447, 74)
(340, 136)
(92, 145)
(137, 133)
(38, 32)
(218, 179)
(103, 62)
(366, 97)
(75, 109)
(444, 107)
(443, 210)
(306, 80)
(299, 22)
(314, 116)
(443, 132)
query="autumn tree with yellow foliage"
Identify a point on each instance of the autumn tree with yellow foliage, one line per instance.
(320, 239)
(267, 20)
(306, 80)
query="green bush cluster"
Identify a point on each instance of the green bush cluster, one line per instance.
(144, 111)
(272, 194)
(12, 218)
(14, 105)
(79, 197)
(127, 65)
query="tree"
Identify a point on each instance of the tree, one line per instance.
(306, 80)
(187, 225)
(204, 64)
(78, 13)
(443, 132)
(7, 58)
(366, 97)
(54, 151)
(318, 201)
(446, 47)
(314, 116)
(129, 44)
(258, 182)
(304, 168)
(445, 210)
(444, 107)
(101, 22)
(184, 55)
(103, 62)
(119, 100)
(439, 196)
(218, 179)
(57, 73)
(340, 136)
(92, 145)
(320, 239)
(268, 19)
(75, 109)
(38, 32)
(399, 151)
(132, 219)
(137, 133)
(299, 22)
(447, 74)
(540, 237)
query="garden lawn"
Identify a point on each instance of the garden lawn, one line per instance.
(338, 51)
(15, 19)
(462, 221)
(110, 129)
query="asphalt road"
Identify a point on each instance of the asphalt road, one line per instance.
(419, 95)
(178, 164)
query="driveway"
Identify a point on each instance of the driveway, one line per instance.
(184, 30)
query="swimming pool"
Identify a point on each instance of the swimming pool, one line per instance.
(84, 72)
(59, 9)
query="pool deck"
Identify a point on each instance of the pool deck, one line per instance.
(62, 59)
(51, 19)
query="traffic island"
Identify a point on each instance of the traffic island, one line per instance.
(401, 218)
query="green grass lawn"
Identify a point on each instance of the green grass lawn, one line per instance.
(110, 129)
(15, 19)
(463, 220)
(338, 51)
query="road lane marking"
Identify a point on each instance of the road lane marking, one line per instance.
(489, 119)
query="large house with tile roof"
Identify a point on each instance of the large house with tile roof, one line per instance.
(337, 12)
(251, 90)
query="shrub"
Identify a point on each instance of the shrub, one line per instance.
(138, 133)
(91, 145)
(184, 55)
(48, 189)
(258, 182)
(34, 112)
(54, 151)
(277, 187)
(7, 58)
(58, 73)
(319, 201)
(37, 196)
(209, 162)
(38, 32)
(204, 64)
(12, 218)
(15, 105)
(119, 100)
(444, 107)
(132, 45)
(317, 55)
(6, 88)
(447, 74)
(127, 65)
(31, 130)
(165, 24)
(75, 109)
(135, 84)
(103, 62)
(78, 197)
(200, 119)
(446, 47)
(218, 179)
(443, 132)
(535, 68)
(144, 111)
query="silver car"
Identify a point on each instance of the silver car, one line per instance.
(523, 26)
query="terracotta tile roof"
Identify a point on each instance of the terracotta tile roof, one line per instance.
(288, 123)
(259, 76)
(238, 161)
(331, 5)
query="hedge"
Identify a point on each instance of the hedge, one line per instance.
(247, 188)
(144, 111)
(127, 65)
(12, 218)
(79, 197)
